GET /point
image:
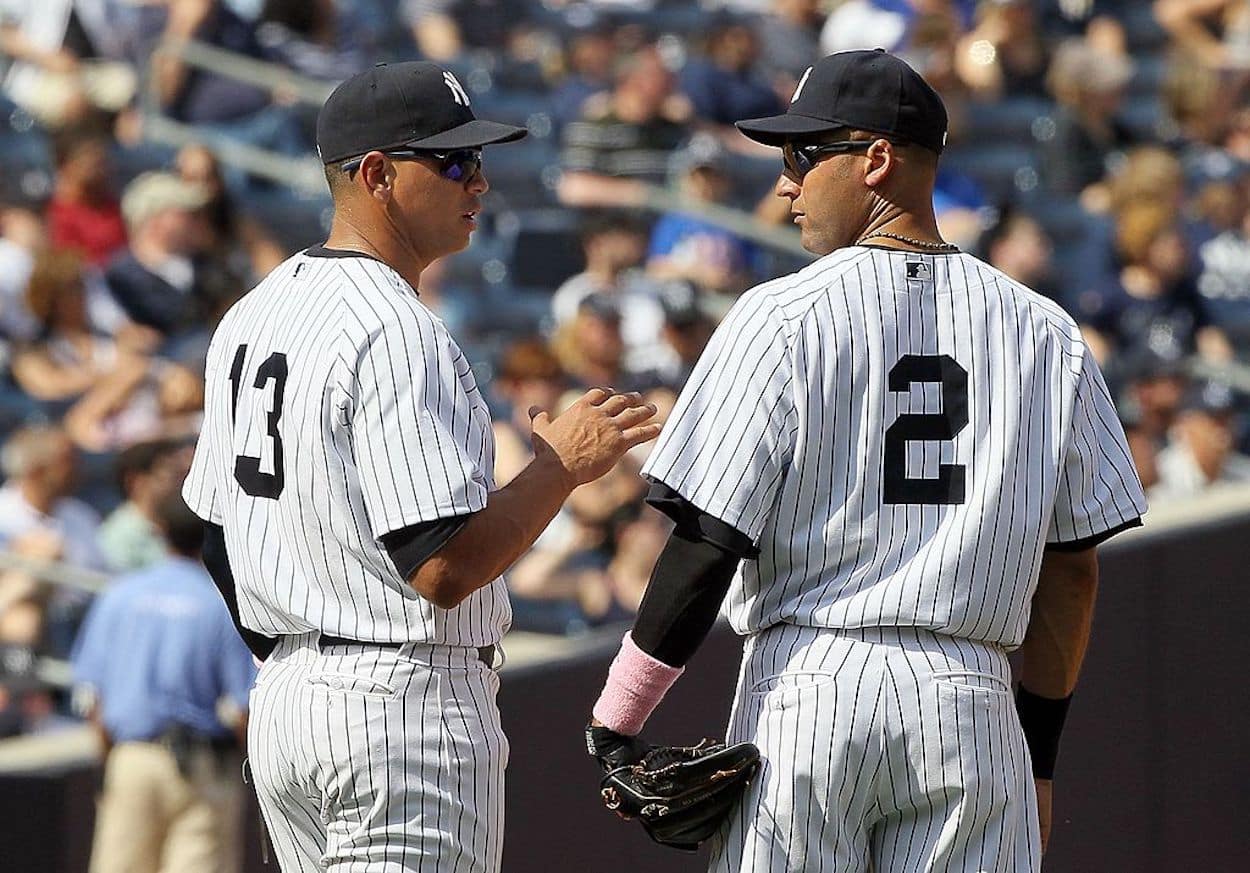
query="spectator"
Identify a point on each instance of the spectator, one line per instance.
(84, 215)
(725, 85)
(624, 138)
(221, 105)
(147, 473)
(1154, 386)
(1017, 245)
(157, 280)
(614, 595)
(1089, 87)
(529, 376)
(68, 357)
(159, 654)
(590, 348)
(1153, 302)
(1201, 452)
(1224, 277)
(236, 244)
(1004, 54)
(589, 56)
(22, 234)
(690, 248)
(36, 502)
(444, 29)
(686, 332)
(789, 35)
(1216, 32)
(56, 70)
(140, 401)
(312, 38)
(614, 245)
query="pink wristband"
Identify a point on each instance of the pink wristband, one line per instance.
(636, 684)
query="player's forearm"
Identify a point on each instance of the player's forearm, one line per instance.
(493, 539)
(1059, 627)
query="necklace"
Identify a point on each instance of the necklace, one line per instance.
(918, 243)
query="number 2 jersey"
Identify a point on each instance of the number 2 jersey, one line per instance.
(901, 435)
(339, 409)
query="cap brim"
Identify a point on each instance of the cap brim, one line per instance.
(471, 135)
(776, 130)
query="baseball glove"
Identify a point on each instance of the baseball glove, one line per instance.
(681, 794)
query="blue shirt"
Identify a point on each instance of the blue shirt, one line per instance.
(159, 649)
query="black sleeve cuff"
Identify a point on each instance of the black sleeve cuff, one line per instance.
(1091, 541)
(410, 547)
(217, 562)
(697, 524)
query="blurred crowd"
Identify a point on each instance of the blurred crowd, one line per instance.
(1098, 153)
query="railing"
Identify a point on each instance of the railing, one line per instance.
(305, 175)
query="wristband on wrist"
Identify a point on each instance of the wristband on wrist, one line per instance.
(637, 682)
(1042, 719)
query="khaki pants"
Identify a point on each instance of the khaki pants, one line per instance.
(152, 819)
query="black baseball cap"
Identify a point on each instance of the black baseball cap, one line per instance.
(863, 90)
(415, 104)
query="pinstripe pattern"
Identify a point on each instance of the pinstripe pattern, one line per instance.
(901, 435)
(357, 415)
(377, 759)
(922, 766)
(382, 426)
(781, 431)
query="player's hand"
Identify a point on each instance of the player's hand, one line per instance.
(590, 436)
(614, 750)
(1044, 789)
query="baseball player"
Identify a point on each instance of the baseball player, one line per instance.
(344, 471)
(893, 467)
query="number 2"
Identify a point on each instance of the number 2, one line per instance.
(247, 468)
(949, 486)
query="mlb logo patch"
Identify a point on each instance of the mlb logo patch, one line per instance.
(919, 270)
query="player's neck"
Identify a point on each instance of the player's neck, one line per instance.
(899, 223)
(348, 238)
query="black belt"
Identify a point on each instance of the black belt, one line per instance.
(485, 654)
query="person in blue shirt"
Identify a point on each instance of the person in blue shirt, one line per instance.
(160, 657)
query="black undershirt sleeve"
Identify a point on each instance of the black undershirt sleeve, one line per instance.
(410, 547)
(218, 564)
(690, 579)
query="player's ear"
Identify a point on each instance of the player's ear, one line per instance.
(882, 160)
(375, 174)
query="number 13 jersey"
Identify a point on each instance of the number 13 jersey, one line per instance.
(338, 409)
(901, 435)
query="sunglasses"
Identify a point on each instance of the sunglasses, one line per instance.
(458, 166)
(800, 159)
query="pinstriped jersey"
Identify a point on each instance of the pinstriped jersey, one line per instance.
(901, 435)
(338, 408)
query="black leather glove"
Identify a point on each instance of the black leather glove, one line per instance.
(614, 750)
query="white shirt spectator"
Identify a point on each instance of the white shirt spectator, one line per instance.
(73, 521)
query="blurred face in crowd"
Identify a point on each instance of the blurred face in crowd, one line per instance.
(1167, 256)
(592, 54)
(1024, 252)
(1158, 398)
(197, 166)
(1209, 436)
(707, 184)
(598, 338)
(615, 250)
(735, 48)
(56, 475)
(89, 168)
(643, 88)
(180, 391)
(1143, 447)
(179, 231)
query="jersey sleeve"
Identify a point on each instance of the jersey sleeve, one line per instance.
(410, 421)
(199, 489)
(1099, 493)
(730, 437)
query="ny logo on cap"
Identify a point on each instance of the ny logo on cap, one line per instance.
(457, 90)
(799, 88)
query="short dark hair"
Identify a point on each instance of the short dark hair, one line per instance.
(141, 458)
(336, 178)
(602, 222)
(183, 529)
